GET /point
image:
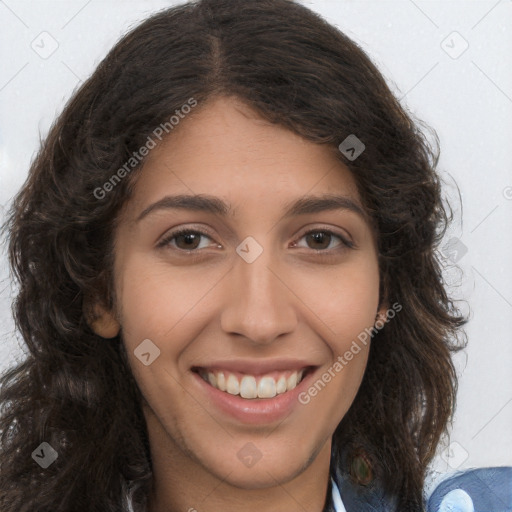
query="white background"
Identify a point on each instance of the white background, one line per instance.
(466, 97)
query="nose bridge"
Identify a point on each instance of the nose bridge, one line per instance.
(258, 306)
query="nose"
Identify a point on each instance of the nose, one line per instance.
(258, 305)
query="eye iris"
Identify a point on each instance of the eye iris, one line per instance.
(190, 238)
(320, 236)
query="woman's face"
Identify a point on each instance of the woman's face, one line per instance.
(246, 299)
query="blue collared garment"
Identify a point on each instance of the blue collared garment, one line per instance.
(473, 490)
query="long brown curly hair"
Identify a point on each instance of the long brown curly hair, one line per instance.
(74, 390)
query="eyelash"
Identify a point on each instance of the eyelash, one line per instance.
(345, 244)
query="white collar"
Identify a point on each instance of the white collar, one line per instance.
(336, 498)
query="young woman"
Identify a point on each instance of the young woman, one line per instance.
(228, 280)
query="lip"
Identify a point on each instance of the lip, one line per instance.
(255, 411)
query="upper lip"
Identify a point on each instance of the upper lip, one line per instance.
(255, 367)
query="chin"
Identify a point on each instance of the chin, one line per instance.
(265, 476)
(278, 465)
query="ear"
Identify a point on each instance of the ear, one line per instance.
(382, 312)
(102, 321)
(383, 307)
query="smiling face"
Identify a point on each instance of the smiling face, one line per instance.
(259, 291)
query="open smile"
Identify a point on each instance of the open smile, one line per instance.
(253, 398)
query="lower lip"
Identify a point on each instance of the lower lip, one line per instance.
(256, 410)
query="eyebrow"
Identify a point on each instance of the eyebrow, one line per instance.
(211, 204)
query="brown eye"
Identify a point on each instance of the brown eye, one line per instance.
(322, 240)
(185, 240)
(319, 239)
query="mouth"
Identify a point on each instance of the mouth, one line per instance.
(254, 391)
(254, 386)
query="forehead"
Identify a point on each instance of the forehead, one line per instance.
(224, 148)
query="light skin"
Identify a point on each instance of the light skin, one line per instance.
(306, 296)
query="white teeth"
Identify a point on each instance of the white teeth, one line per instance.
(248, 387)
(232, 385)
(281, 385)
(221, 381)
(291, 382)
(266, 388)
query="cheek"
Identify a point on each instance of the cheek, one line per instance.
(156, 298)
(344, 299)
(341, 299)
(345, 303)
